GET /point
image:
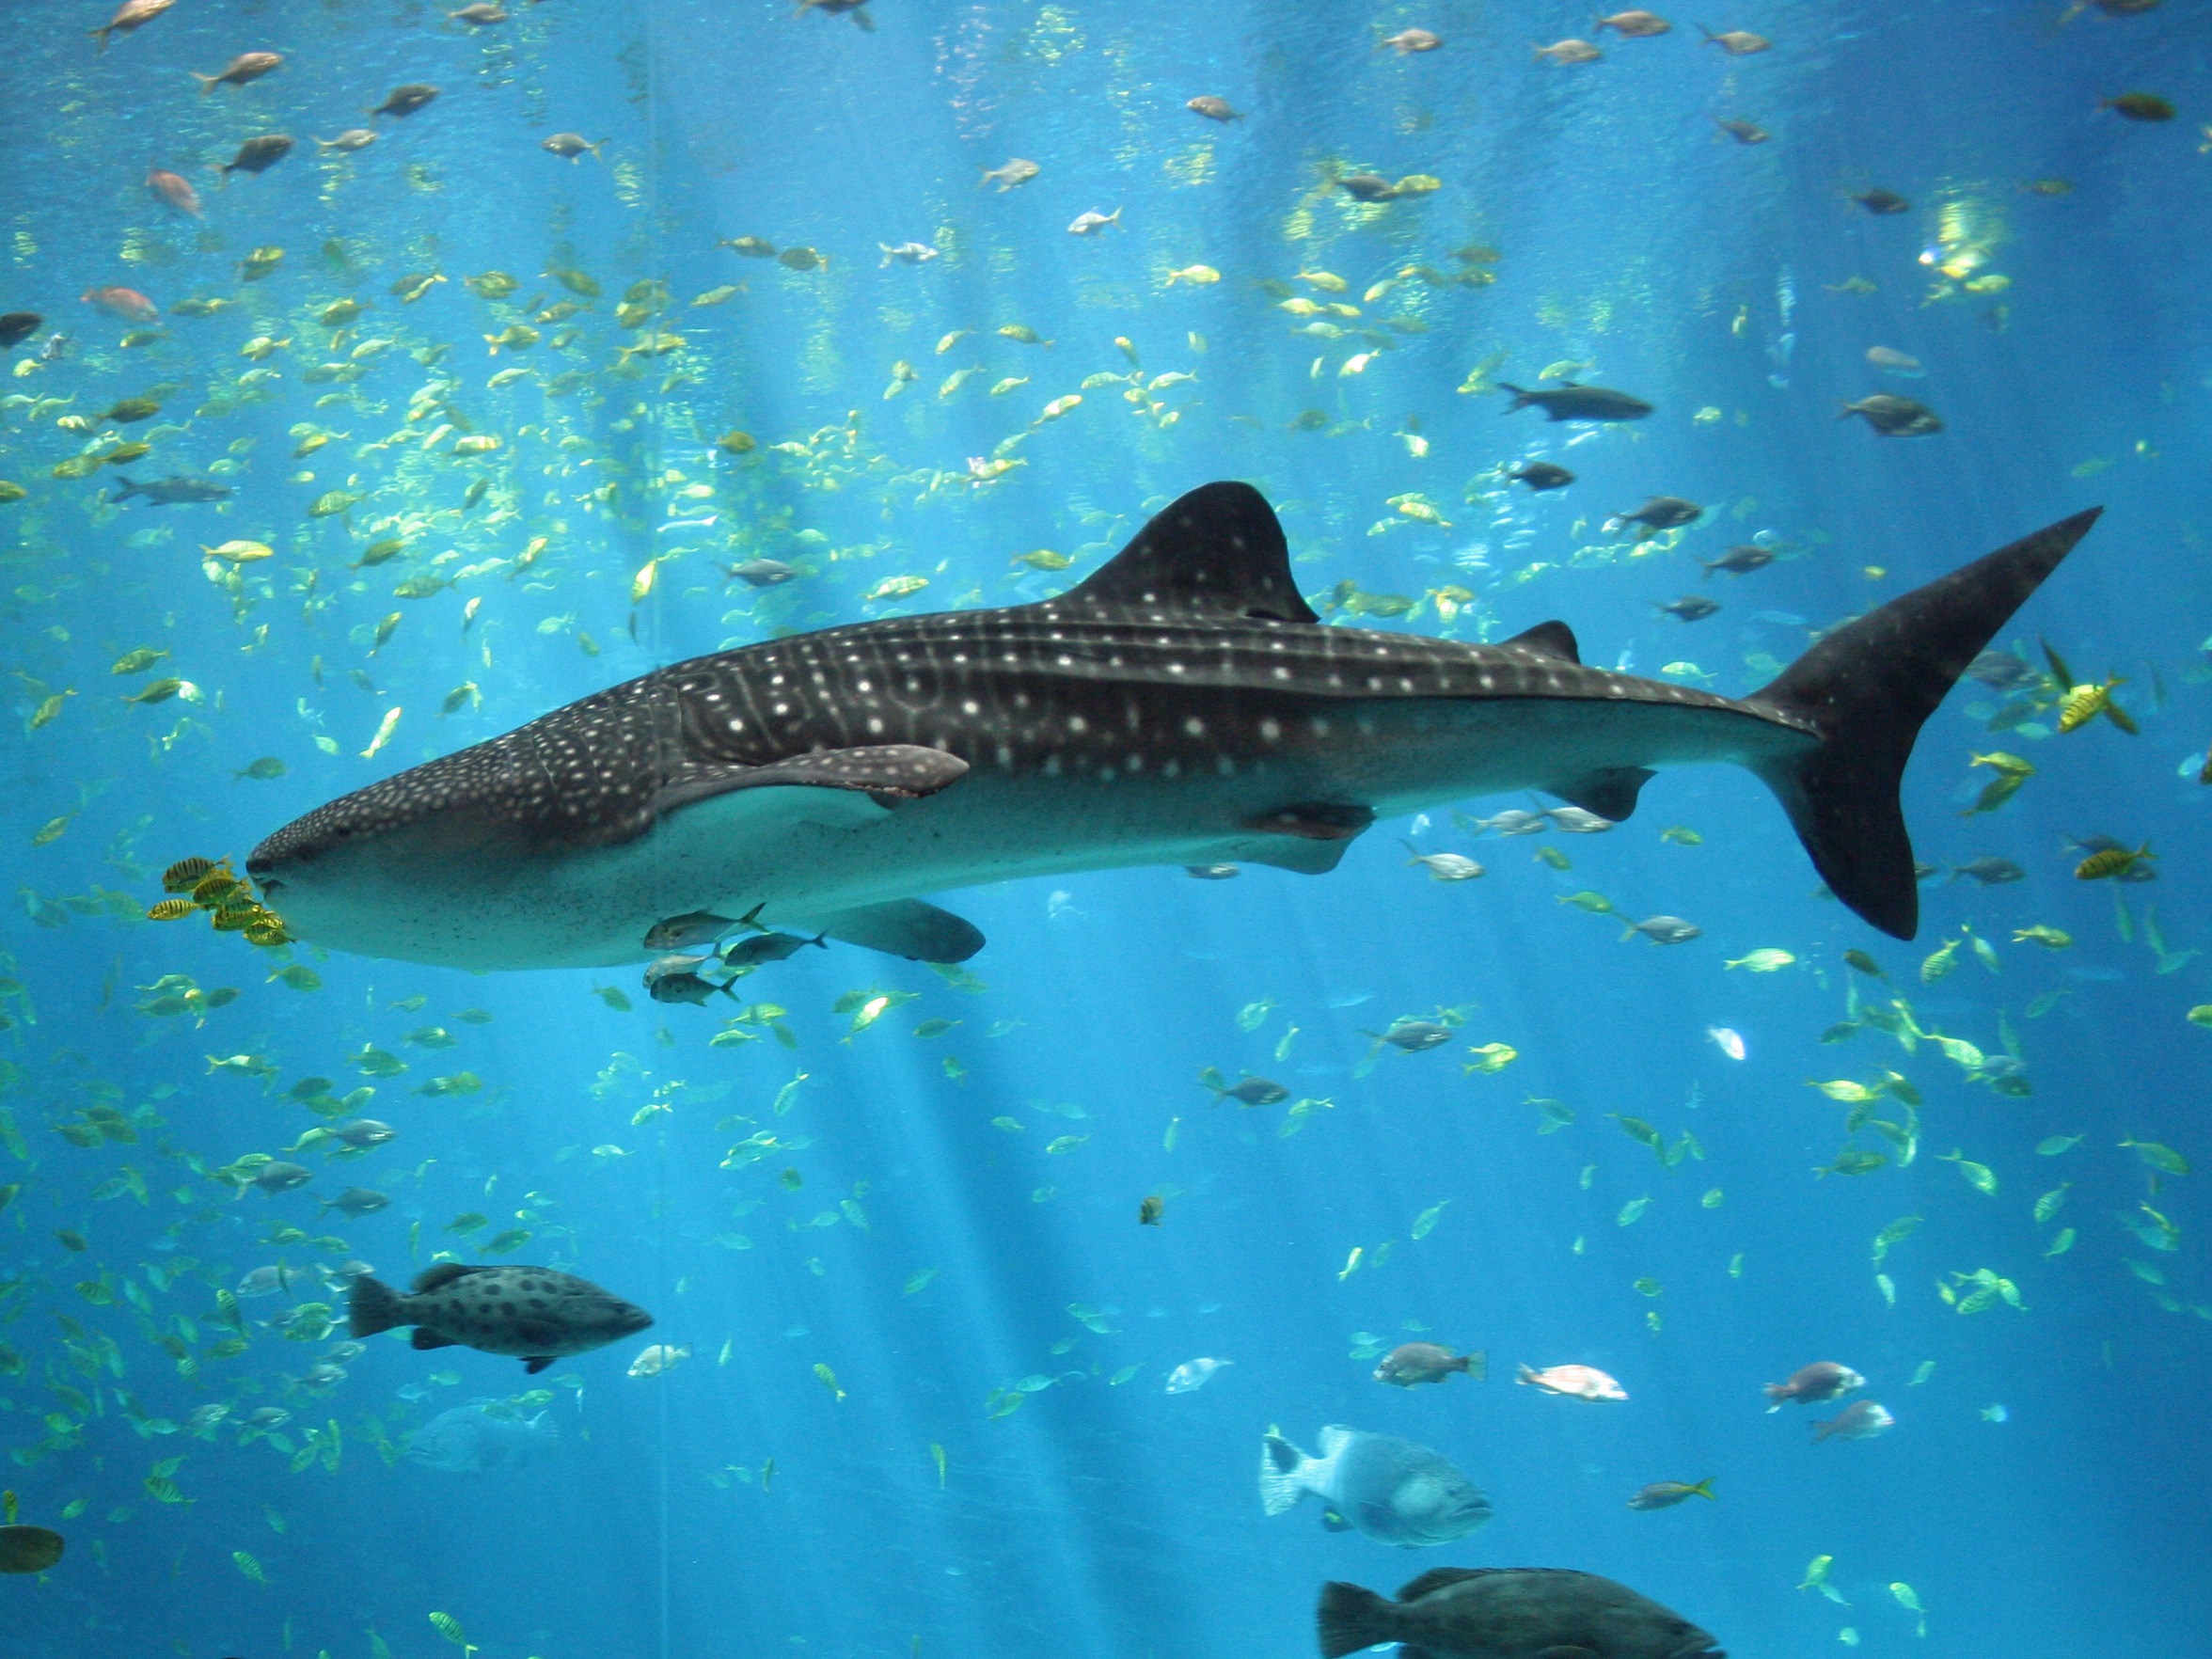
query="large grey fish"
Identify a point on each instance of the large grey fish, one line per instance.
(531, 1313)
(1183, 706)
(170, 492)
(28, 1549)
(1569, 401)
(479, 1436)
(1509, 1612)
(1392, 1490)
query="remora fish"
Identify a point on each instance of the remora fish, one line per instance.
(1181, 706)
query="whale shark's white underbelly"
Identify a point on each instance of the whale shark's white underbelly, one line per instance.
(800, 858)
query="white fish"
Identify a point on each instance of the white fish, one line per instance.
(1729, 1042)
(1090, 224)
(1193, 1374)
(660, 1357)
(1444, 866)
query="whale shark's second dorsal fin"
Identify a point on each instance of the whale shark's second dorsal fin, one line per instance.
(1216, 552)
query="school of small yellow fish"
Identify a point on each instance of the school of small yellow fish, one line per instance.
(352, 451)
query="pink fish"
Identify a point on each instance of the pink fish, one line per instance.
(175, 190)
(126, 303)
(1575, 1381)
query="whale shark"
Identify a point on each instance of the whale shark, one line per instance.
(1182, 705)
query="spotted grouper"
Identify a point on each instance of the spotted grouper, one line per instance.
(1509, 1613)
(534, 1313)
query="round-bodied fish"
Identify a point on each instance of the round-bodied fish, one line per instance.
(481, 1436)
(1394, 1491)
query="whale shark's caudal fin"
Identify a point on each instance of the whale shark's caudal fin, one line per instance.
(1867, 687)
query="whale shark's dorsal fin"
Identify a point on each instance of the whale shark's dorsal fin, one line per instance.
(1553, 639)
(1217, 551)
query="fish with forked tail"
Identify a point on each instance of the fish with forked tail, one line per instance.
(170, 492)
(529, 1312)
(1569, 401)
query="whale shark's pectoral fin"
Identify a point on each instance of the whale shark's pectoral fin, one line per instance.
(904, 927)
(883, 775)
(1610, 792)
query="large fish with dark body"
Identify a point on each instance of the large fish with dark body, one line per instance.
(1181, 706)
(531, 1313)
(1509, 1612)
(1394, 1491)
(1570, 402)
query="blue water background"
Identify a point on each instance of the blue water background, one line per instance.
(1103, 1519)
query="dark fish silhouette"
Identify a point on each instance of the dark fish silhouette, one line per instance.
(170, 492)
(1570, 402)
(1509, 1612)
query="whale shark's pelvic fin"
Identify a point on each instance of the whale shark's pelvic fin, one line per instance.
(1218, 550)
(1867, 688)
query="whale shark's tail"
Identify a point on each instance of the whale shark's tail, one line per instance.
(1867, 687)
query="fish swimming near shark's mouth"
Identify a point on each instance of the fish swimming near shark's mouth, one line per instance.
(1183, 705)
